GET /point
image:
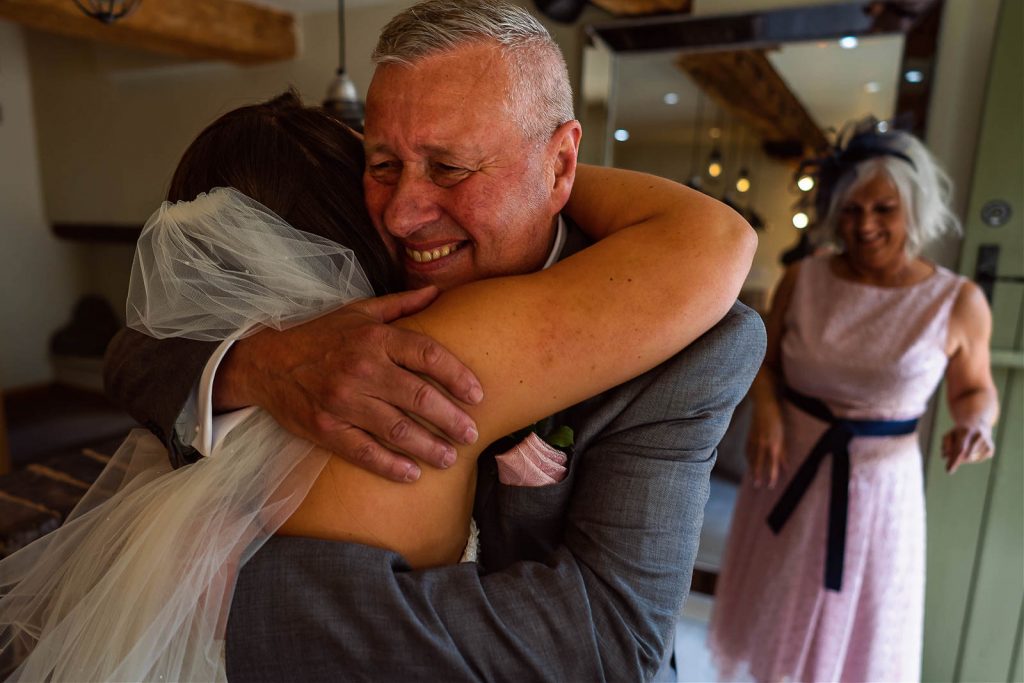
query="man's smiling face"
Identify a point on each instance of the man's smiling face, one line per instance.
(450, 175)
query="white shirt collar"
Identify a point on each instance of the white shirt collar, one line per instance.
(556, 248)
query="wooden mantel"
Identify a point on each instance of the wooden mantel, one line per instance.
(230, 30)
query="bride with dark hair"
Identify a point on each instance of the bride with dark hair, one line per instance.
(265, 227)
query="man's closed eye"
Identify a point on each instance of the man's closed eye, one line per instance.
(386, 172)
(446, 175)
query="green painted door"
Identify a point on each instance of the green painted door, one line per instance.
(974, 600)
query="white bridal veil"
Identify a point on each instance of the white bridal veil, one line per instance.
(137, 583)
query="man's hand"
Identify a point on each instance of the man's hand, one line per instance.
(347, 381)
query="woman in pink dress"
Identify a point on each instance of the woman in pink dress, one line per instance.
(823, 576)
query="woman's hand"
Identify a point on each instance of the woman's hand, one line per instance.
(970, 389)
(764, 443)
(967, 444)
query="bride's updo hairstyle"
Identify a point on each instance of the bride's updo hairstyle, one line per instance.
(302, 164)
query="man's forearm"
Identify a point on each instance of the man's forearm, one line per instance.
(153, 379)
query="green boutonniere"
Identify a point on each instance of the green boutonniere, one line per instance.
(561, 437)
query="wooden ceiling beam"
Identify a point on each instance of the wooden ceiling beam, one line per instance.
(642, 7)
(229, 30)
(745, 84)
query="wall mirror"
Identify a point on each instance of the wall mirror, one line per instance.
(731, 103)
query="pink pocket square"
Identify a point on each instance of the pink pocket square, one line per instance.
(532, 462)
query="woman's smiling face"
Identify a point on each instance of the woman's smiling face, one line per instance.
(873, 224)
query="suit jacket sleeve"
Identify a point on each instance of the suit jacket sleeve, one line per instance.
(152, 379)
(601, 607)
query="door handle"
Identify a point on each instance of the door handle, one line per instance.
(986, 270)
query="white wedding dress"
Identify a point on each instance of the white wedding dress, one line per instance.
(136, 585)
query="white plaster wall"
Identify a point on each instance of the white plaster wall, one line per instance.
(113, 122)
(38, 274)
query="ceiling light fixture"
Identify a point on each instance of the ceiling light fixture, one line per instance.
(743, 181)
(108, 11)
(621, 134)
(715, 163)
(848, 42)
(800, 220)
(913, 76)
(805, 183)
(696, 181)
(341, 99)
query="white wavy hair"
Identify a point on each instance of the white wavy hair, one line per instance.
(539, 94)
(924, 190)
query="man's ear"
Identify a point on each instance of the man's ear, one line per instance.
(563, 149)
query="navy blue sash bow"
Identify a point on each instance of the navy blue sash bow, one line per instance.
(835, 441)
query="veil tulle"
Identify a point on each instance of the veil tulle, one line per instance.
(136, 585)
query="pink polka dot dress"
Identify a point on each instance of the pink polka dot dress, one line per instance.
(869, 353)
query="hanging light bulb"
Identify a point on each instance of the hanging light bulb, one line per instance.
(743, 181)
(805, 183)
(108, 11)
(341, 99)
(715, 163)
(800, 220)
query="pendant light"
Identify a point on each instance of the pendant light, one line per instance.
(696, 181)
(108, 11)
(753, 162)
(342, 100)
(715, 162)
(743, 182)
(714, 167)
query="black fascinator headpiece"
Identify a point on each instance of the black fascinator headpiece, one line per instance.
(857, 142)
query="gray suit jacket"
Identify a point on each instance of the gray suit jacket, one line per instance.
(581, 580)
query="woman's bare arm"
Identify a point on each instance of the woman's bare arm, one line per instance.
(765, 452)
(970, 389)
(544, 341)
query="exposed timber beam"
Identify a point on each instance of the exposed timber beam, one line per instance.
(745, 84)
(642, 7)
(229, 30)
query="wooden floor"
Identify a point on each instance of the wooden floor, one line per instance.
(59, 438)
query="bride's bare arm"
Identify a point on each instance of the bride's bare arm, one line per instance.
(544, 341)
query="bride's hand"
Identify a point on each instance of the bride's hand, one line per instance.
(348, 382)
